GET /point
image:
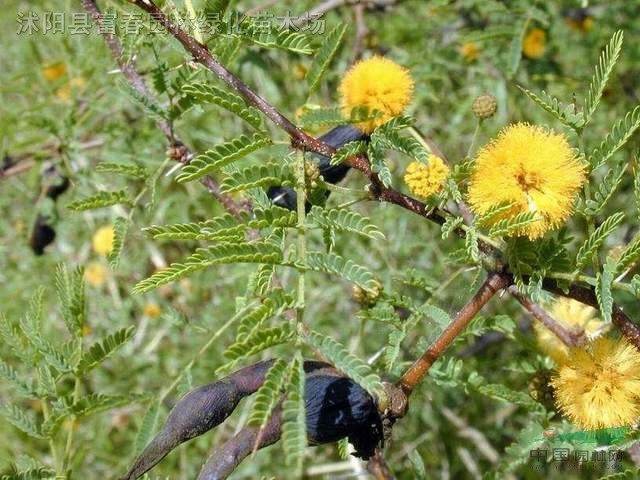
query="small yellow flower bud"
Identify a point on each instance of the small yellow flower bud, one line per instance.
(103, 240)
(95, 274)
(484, 106)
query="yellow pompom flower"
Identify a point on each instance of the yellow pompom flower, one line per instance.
(534, 43)
(103, 240)
(379, 86)
(470, 51)
(152, 310)
(95, 274)
(571, 314)
(425, 180)
(533, 170)
(54, 71)
(599, 386)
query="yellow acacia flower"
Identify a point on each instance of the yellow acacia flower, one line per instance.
(54, 71)
(65, 93)
(470, 51)
(377, 85)
(599, 386)
(534, 43)
(533, 170)
(570, 314)
(95, 274)
(103, 240)
(152, 310)
(425, 180)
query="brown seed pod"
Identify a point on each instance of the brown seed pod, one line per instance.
(336, 407)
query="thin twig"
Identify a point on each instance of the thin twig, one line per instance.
(416, 372)
(379, 468)
(569, 338)
(181, 152)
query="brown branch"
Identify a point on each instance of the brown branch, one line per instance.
(587, 296)
(571, 338)
(379, 468)
(416, 372)
(179, 150)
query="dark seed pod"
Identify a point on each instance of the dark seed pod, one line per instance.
(337, 407)
(56, 189)
(42, 235)
(286, 197)
(199, 411)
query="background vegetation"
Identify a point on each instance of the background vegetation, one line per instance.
(472, 416)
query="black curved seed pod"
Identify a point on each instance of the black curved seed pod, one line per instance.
(286, 197)
(199, 411)
(42, 235)
(338, 407)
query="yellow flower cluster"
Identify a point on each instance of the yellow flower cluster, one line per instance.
(379, 86)
(102, 240)
(534, 43)
(152, 310)
(571, 314)
(531, 169)
(599, 386)
(426, 180)
(54, 71)
(470, 51)
(95, 274)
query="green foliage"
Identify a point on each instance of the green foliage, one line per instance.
(344, 220)
(259, 252)
(591, 245)
(325, 55)
(268, 394)
(120, 227)
(206, 93)
(126, 169)
(348, 150)
(620, 133)
(289, 41)
(294, 431)
(566, 114)
(606, 62)
(260, 176)
(337, 265)
(100, 351)
(603, 289)
(606, 189)
(221, 156)
(100, 200)
(346, 362)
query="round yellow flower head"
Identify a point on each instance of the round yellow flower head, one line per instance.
(425, 180)
(571, 314)
(54, 72)
(95, 274)
(103, 240)
(378, 85)
(599, 387)
(534, 43)
(470, 51)
(531, 169)
(152, 310)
